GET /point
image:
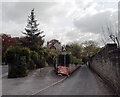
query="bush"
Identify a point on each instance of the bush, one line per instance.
(41, 56)
(18, 59)
(26, 52)
(31, 65)
(46, 64)
(18, 70)
(34, 58)
(10, 55)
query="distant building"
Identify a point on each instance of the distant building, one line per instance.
(54, 45)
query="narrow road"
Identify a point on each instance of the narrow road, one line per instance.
(82, 82)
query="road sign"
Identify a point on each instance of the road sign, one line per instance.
(63, 70)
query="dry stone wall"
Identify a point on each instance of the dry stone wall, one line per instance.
(106, 64)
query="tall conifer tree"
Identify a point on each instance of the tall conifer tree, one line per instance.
(32, 32)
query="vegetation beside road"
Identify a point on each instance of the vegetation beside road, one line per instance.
(81, 52)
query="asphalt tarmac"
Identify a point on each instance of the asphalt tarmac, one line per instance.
(82, 82)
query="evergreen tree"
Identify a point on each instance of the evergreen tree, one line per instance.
(32, 32)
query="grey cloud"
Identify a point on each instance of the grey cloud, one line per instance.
(77, 35)
(18, 11)
(53, 20)
(93, 23)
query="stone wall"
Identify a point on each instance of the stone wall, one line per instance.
(73, 67)
(106, 64)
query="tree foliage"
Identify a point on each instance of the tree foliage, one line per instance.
(7, 41)
(32, 32)
(90, 48)
(75, 49)
(82, 51)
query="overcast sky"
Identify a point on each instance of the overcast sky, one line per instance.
(67, 21)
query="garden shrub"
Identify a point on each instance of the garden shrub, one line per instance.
(41, 57)
(34, 58)
(50, 61)
(26, 52)
(31, 65)
(18, 59)
(46, 64)
(18, 70)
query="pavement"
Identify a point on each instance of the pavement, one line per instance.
(3, 70)
(36, 80)
(82, 82)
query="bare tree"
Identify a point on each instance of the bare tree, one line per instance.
(111, 34)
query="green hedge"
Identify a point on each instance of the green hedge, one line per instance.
(34, 57)
(18, 59)
(21, 59)
(41, 57)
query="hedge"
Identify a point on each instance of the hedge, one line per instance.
(18, 59)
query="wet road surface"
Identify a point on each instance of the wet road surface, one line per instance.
(82, 82)
(35, 81)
